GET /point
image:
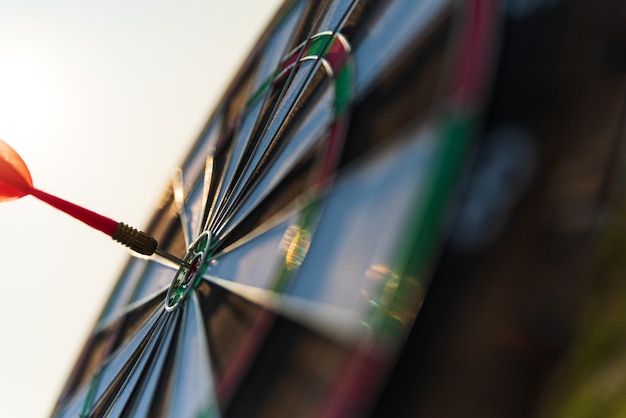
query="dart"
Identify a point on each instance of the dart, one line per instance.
(16, 182)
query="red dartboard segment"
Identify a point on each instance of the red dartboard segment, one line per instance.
(332, 48)
(470, 78)
(336, 50)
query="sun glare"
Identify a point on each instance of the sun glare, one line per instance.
(26, 106)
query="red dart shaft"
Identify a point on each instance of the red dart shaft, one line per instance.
(137, 240)
(99, 222)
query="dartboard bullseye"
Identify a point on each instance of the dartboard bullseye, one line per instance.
(189, 274)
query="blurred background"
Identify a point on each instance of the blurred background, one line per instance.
(102, 100)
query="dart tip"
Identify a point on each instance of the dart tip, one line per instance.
(172, 258)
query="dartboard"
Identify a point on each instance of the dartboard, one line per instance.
(308, 216)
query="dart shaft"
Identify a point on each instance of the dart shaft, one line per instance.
(171, 257)
(93, 219)
(136, 240)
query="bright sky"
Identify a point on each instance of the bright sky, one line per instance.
(102, 100)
